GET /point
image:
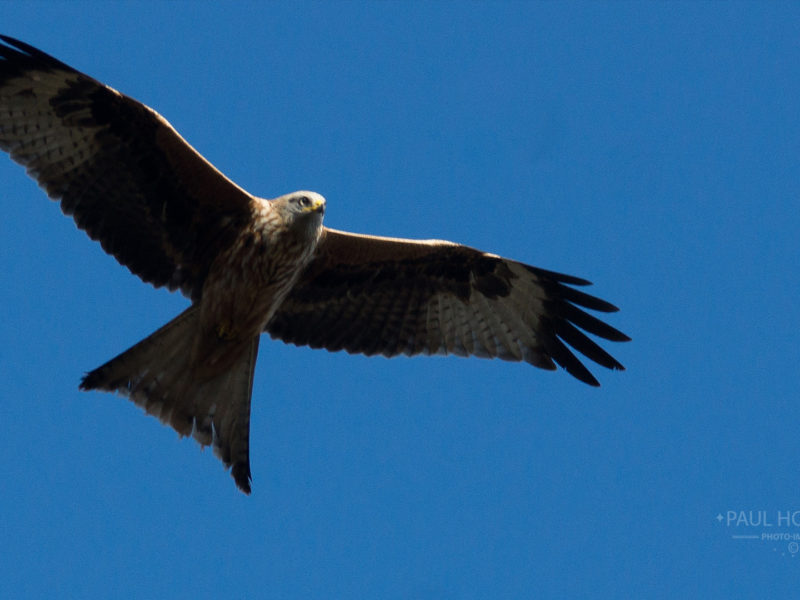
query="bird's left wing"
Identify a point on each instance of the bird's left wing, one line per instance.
(119, 168)
(373, 295)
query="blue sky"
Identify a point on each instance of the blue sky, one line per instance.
(651, 148)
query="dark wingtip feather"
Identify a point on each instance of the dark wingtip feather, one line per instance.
(567, 360)
(584, 299)
(90, 381)
(241, 475)
(18, 44)
(589, 323)
(565, 316)
(26, 55)
(578, 340)
(556, 276)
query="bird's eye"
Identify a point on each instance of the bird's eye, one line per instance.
(304, 201)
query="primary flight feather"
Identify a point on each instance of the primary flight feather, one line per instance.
(251, 265)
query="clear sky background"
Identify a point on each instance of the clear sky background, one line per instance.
(651, 148)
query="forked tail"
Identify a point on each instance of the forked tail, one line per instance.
(158, 374)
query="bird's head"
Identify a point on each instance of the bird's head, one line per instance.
(302, 212)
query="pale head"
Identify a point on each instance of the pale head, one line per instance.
(301, 212)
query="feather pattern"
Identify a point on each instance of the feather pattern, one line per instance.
(249, 265)
(158, 374)
(118, 168)
(371, 295)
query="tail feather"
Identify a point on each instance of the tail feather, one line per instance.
(159, 375)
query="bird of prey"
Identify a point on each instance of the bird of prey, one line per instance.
(251, 265)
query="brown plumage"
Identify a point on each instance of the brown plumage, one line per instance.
(251, 265)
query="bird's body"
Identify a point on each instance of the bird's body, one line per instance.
(251, 265)
(206, 356)
(249, 280)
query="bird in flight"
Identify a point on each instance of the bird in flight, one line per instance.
(251, 265)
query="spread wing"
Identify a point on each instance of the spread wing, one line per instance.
(373, 295)
(119, 168)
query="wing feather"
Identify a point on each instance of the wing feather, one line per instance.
(371, 295)
(119, 168)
